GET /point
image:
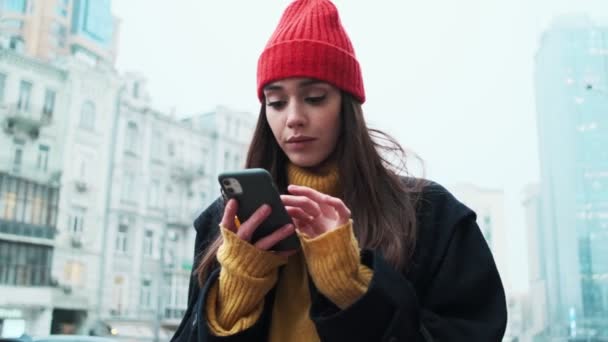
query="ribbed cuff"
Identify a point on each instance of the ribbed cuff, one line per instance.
(246, 276)
(334, 264)
(239, 256)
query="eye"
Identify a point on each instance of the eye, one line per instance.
(316, 99)
(276, 104)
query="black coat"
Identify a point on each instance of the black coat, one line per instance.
(452, 291)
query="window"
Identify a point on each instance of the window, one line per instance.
(237, 162)
(171, 148)
(28, 202)
(38, 206)
(226, 160)
(43, 158)
(87, 116)
(131, 137)
(177, 302)
(2, 87)
(146, 293)
(149, 243)
(16, 44)
(155, 145)
(122, 236)
(171, 248)
(128, 187)
(228, 125)
(49, 103)
(74, 273)
(154, 196)
(18, 6)
(487, 229)
(9, 203)
(34, 203)
(180, 151)
(62, 8)
(76, 222)
(18, 155)
(25, 264)
(22, 201)
(13, 24)
(83, 170)
(119, 295)
(237, 128)
(204, 157)
(25, 91)
(58, 34)
(136, 90)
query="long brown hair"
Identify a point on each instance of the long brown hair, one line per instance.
(382, 203)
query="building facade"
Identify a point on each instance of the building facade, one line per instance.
(535, 311)
(98, 192)
(164, 173)
(53, 189)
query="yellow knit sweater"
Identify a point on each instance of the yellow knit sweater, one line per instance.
(236, 301)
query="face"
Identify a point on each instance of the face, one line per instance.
(304, 116)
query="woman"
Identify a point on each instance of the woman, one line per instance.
(383, 258)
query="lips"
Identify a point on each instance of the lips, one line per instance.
(299, 139)
(298, 143)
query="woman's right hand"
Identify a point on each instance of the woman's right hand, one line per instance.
(246, 229)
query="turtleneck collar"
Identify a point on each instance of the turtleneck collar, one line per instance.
(324, 179)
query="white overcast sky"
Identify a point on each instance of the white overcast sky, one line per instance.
(451, 80)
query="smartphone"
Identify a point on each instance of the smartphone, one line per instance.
(252, 188)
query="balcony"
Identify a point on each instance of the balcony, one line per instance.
(30, 171)
(24, 275)
(172, 316)
(186, 173)
(178, 218)
(17, 119)
(27, 229)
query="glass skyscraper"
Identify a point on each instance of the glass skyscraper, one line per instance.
(572, 112)
(93, 19)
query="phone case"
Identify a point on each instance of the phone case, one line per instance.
(258, 188)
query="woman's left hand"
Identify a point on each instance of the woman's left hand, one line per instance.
(313, 212)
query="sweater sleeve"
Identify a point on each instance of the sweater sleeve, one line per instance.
(334, 265)
(236, 300)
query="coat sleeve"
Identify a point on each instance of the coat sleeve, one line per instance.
(454, 294)
(204, 226)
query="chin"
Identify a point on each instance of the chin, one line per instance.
(304, 162)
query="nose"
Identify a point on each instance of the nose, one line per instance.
(296, 117)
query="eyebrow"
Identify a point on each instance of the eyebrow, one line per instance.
(302, 84)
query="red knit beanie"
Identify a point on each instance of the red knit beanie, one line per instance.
(311, 42)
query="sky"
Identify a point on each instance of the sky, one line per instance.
(451, 80)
